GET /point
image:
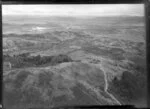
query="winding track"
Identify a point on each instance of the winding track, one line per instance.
(106, 86)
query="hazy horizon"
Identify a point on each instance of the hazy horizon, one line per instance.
(95, 10)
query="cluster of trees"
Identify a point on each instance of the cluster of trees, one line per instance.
(130, 87)
(24, 60)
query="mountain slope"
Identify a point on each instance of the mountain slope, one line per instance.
(72, 83)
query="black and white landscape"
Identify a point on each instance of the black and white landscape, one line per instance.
(71, 55)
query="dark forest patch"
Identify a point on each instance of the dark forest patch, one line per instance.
(25, 60)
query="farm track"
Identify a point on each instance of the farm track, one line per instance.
(106, 86)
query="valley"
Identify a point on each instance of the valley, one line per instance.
(73, 61)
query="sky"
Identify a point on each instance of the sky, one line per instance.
(75, 10)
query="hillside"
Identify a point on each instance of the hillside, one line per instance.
(75, 82)
(74, 61)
